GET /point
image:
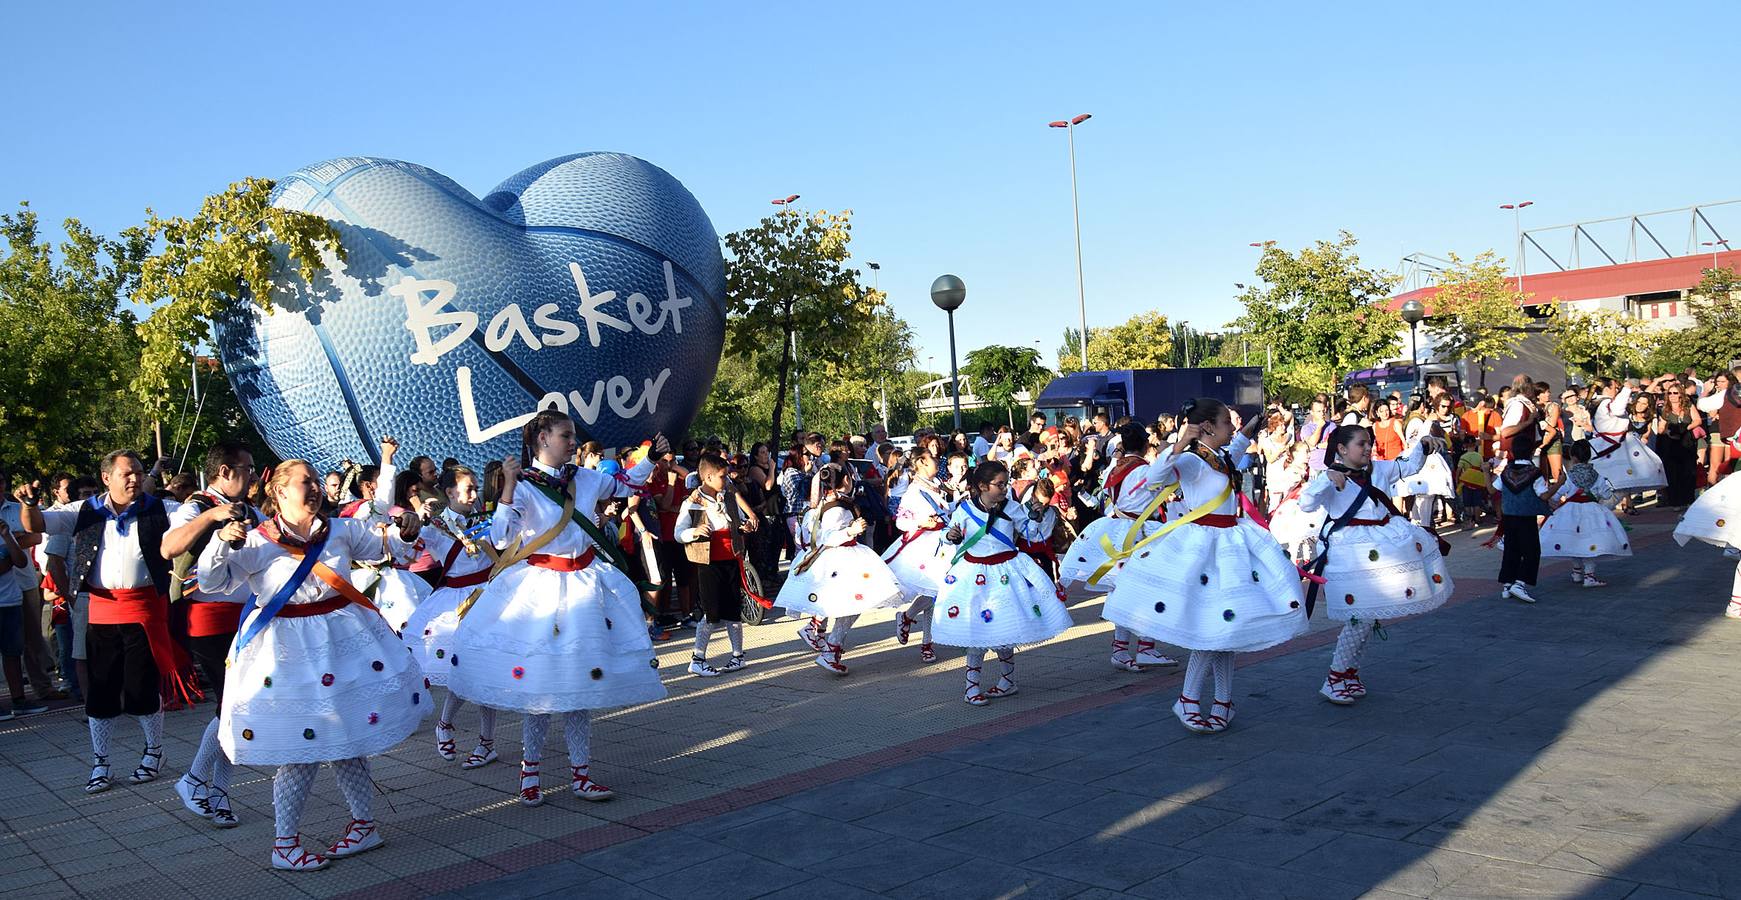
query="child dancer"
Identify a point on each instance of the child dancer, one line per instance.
(1582, 528)
(1128, 496)
(995, 597)
(1620, 455)
(315, 674)
(1715, 518)
(458, 536)
(1522, 493)
(557, 630)
(711, 519)
(838, 578)
(918, 560)
(1218, 584)
(1375, 563)
(385, 576)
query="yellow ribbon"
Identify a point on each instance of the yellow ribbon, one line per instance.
(519, 553)
(1114, 556)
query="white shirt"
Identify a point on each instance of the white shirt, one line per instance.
(531, 514)
(981, 447)
(1198, 481)
(439, 543)
(27, 576)
(187, 512)
(1013, 524)
(120, 563)
(262, 567)
(1322, 493)
(1515, 410)
(921, 501)
(1609, 417)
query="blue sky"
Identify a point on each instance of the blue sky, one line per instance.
(1214, 124)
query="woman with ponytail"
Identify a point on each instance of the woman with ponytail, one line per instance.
(837, 577)
(558, 630)
(1217, 583)
(315, 673)
(1375, 563)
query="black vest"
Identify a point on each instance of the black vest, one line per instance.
(152, 520)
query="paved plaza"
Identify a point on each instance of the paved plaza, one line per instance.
(1586, 746)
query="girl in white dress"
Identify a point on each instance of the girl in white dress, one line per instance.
(385, 575)
(996, 597)
(315, 674)
(457, 534)
(1128, 497)
(1616, 451)
(558, 630)
(1433, 481)
(1582, 528)
(1715, 518)
(838, 578)
(1375, 563)
(918, 558)
(1212, 581)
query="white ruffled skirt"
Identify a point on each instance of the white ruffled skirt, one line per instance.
(398, 595)
(1208, 588)
(991, 605)
(918, 563)
(1086, 554)
(1379, 572)
(542, 641)
(1434, 479)
(1632, 467)
(1715, 517)
(320, 688)
(1584, 531)
(429, 632)
(844, 581)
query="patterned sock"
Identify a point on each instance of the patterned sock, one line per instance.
(1350, 644)
(205, 757)
(450, 708)
(486, 723)
(577, 729)
(1120, 635)
(219, 783)
(925, 616)
(354, 784)
(842, 624)
(975, 660)
(290, 794)
(1223, 662)
(1196, 672)
(703, 633)
(735, 631)
(102, 731)
(152, 725)
(1007, 657)
(532, 732)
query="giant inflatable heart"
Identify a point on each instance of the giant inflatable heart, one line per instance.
(593, 282)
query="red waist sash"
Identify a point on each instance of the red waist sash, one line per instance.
(320, 607)
(562, 563)
(213, 618)
(993, 559)
(465, 581)
(147, 607)
(719, 546)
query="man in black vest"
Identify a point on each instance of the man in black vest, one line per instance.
(116, 566)
(211, 619)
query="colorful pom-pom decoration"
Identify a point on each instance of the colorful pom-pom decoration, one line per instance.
(308, 734)
(326, 680)
(979, 579)
(519, 672)
(949, 579)
(247, 734)
(377, 665)
(597, 674)
(1203, 579)
(1160, 607)
(1438, 579)
(985, 614)
(1003, 579)
(954, 611)
(1293, 604)
(1037, 613)
(416, 698)
(1227, 614)
(1372, 555)
(1348, 599)
(374, 718)
(268, 681)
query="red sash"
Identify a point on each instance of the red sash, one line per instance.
(317, 608)
(465, 581)
(562, 563)
(213, 618)
(719, 546)
(993, 559)
(907, 537)
(146, 607)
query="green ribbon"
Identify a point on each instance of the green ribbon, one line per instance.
(612, 553)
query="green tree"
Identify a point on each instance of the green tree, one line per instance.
(1477, 313)
(1601, 341)
(787, 276)
(1714, 340)
(68, 351)
(1144, 341)
(999, 373)
(1320, 309)
(852, 388)
(227, 253)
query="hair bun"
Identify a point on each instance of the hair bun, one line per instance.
(1186, 409)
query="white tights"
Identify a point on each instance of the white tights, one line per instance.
(576, 729)
(1350, 645)
(1198, 669)
(290, 792)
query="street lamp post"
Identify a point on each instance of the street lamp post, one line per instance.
(876, 285)
(1069, 126)
(1517, 230)
(949, 292)
(785, 204)
(1413, 312)
(1185, 334)
(1720, 242)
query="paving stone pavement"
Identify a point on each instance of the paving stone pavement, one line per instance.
(1581, 747)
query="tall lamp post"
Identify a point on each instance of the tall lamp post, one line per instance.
(1069, 126)
(1185, 334)
(1413, 312)
(1517, 229)
(785, 205)
(876, 285)
(949, 292)
(1714, 245)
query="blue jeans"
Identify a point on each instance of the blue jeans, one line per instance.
(63, 639)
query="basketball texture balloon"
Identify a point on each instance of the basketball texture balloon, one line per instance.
(593, 282)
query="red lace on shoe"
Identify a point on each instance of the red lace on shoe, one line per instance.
(358, 832)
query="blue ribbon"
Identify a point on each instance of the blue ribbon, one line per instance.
(101, 502)
(310, 556)
(968, 509)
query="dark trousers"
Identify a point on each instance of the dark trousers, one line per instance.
(719, 589)
(1523, 551)
(123, 674)
(208, 653)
